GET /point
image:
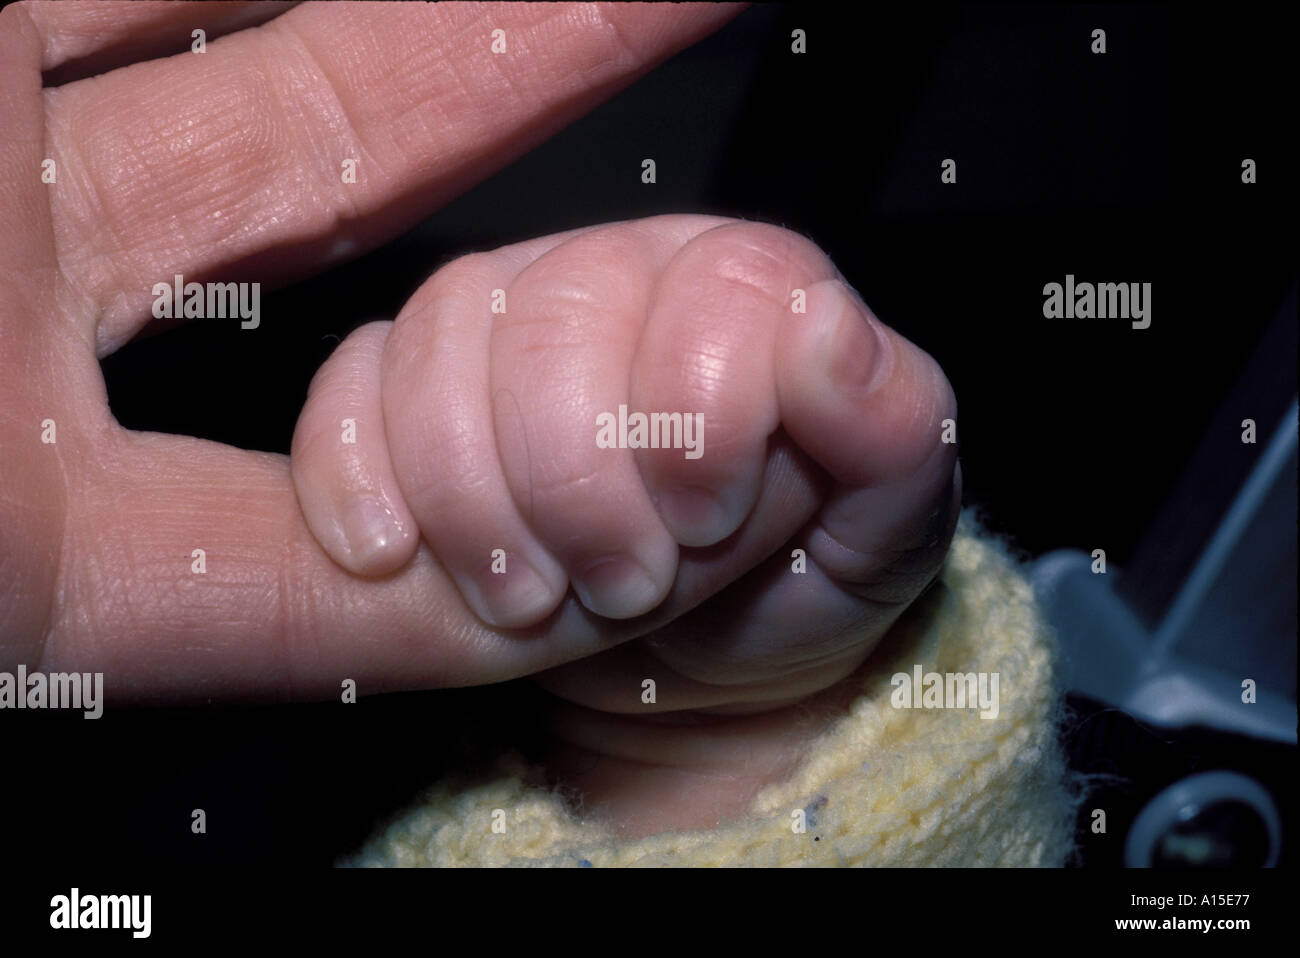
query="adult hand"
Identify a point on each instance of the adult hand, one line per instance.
(220, 165)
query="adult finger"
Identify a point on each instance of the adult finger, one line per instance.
(332, 128)
(81, 38)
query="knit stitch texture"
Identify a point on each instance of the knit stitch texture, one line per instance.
(882, 786)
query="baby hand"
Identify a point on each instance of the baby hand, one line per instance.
(687, 424)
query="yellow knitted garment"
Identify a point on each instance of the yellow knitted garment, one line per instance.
(882, 786)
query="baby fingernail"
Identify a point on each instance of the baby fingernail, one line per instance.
(515, 597)
(853, 351)
(695, 515)
(370, 528)
(617, 587)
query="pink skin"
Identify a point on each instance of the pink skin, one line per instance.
(225, 166)
(822, 433)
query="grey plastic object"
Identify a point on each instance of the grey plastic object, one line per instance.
(1187, 797)
(1190, 669)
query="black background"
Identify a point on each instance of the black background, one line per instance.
(1123, 167)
